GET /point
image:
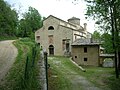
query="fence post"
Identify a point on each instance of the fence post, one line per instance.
(33, 55)
(46, 67)
(26, 68)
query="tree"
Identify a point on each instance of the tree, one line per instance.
(8, 19)
(33, 18)
(31, 22)
(96, 35)
(107, 42)
(106, 12)
(105, 39)
(22, 27)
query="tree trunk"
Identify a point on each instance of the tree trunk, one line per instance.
(113, 38)
(116, 36)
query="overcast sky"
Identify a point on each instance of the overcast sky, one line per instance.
(63, 9)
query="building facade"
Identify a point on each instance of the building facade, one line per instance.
(86, 52)
(56, 35)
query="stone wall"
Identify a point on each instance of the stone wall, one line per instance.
(41, 63)
(92, 55)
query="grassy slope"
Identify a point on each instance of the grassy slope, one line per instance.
(7, 38)
(56, 79)
(15, 78)
(101, 77)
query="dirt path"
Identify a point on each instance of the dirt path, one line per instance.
(77, 81)
(8, 53)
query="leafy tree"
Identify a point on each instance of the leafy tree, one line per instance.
(34, 18)
(31, 22)
(8, 19)
(22, 27)
(106, 12)
(107, 42)
(96, 35)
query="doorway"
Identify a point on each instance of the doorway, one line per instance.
(67, 47)
(51, 50)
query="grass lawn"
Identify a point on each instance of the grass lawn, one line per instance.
(56, 79)
(64, 75)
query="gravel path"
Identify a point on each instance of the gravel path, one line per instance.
(8, 53)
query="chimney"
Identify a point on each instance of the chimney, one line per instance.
(85, 26)
(91, 40)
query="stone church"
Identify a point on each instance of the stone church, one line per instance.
(56, 36)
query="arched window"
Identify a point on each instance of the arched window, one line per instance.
(51, 28)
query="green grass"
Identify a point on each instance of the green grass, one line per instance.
(7, 38)
(15, 78)
(56, 80)
(103, 78)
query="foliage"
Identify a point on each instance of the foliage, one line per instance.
(15, 78)
(107, 13)
(10, 25)
(30, 22)
(96, 35)
(34, 18)
(8, 19)
(107, 43)
(2, 37)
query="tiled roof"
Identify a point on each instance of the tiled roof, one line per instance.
(86, 41)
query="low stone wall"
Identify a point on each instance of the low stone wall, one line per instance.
(42, 75)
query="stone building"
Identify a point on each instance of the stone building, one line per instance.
(56, 35)
(86, 52)
(59, 37)
(89, 52)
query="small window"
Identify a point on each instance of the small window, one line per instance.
(38, 37)
(75, 56)
(51, 28)
(85, 49)
(85, 59)
(39, 44)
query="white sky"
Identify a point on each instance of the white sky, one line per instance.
(63, 9)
